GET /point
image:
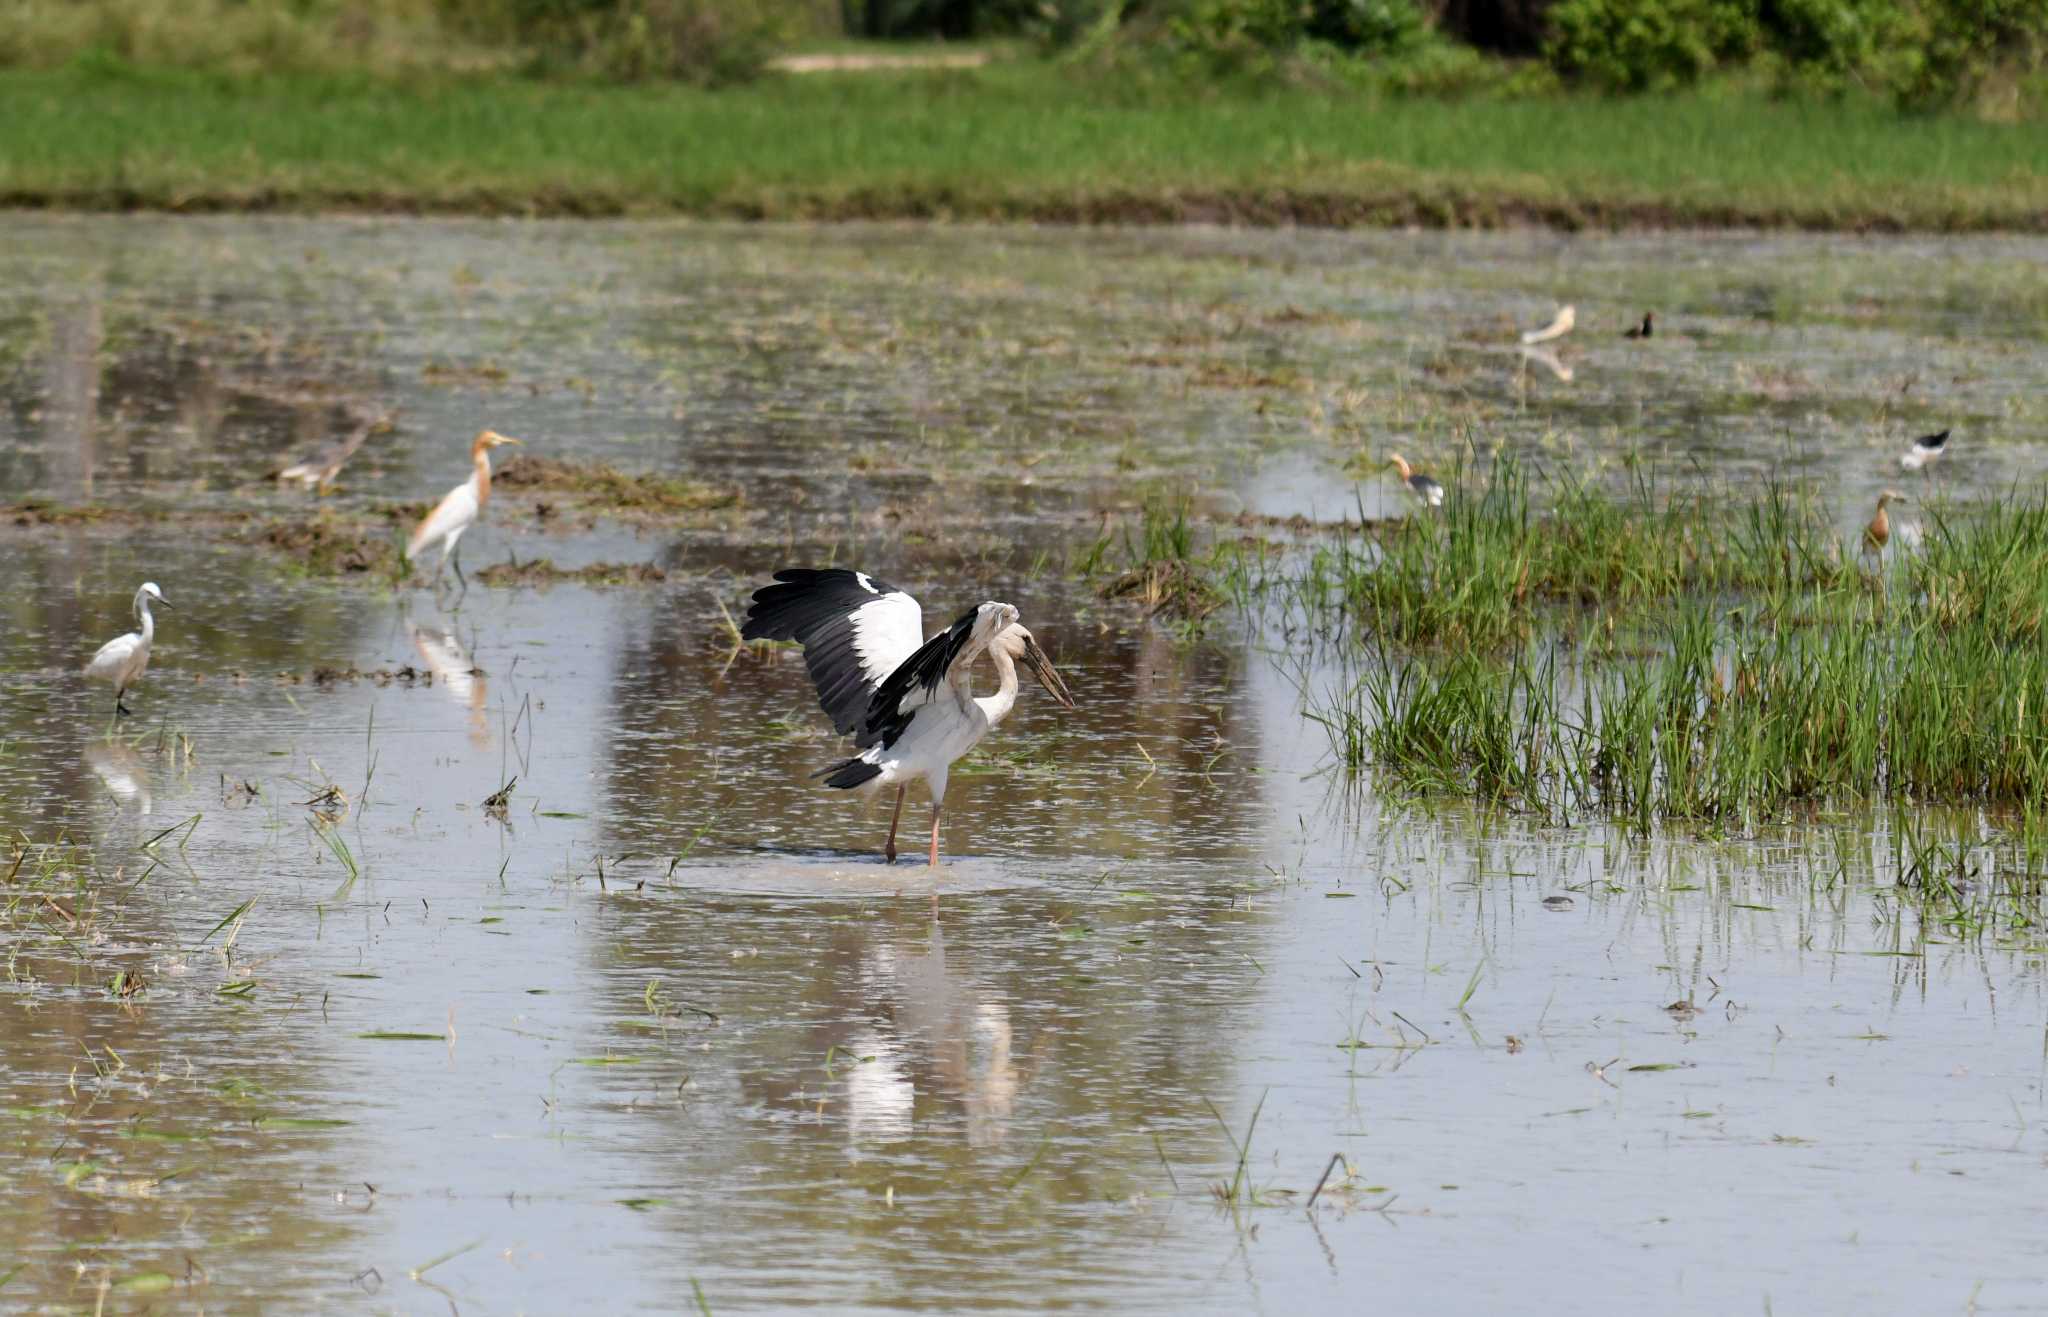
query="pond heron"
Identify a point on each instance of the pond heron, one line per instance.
(1879, 532)
(905, 700)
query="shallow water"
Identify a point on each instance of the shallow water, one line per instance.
(666, 1026)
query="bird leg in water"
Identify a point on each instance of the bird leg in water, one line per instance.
(121, 710)
(895, 817)
(935, 835)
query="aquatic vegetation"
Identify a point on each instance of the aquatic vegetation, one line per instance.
(606, 489)
(1757, 671)
(1479, 571)
(1160, 566)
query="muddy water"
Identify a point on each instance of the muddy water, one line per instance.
(664, 1027)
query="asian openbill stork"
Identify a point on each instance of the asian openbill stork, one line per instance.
(905, 700)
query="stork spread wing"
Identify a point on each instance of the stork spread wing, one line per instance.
(855, 631)
(914, 680)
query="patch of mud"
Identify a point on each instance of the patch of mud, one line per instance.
(331, 547)
(605, 489)
(542, 571)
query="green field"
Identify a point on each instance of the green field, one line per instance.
(1026, 140)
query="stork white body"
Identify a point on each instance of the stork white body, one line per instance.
(908, 702)
(124, 659)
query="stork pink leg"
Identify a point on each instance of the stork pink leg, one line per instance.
(935, 835)
(889, 850)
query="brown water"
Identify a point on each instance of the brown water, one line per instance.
(681, 1033)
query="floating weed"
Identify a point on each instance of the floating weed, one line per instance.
(1159, 567)
(401, 1036)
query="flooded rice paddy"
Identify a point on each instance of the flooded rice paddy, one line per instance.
(407, 955)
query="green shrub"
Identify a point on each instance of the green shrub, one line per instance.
(1925, 53)
(1954, 47)
(1649, 45)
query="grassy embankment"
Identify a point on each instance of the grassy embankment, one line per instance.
(1017, 140)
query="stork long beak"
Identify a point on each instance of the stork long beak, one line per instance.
(1041, 668)
(165, 602)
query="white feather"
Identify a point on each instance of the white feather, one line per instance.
(1557, 328)
(444, 525)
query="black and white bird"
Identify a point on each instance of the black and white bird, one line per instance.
(905, 700)
(1924, 450)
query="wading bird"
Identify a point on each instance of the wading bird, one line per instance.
(1424, 488)
(318, 468)
(905, 700)
(1645, 330)
(458, 511)
(1879, 532)
(123, 659)
(1924, 450)
(1557, 328)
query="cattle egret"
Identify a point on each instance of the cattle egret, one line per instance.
(458, 511)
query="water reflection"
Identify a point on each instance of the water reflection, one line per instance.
(444, 656)
(811, 1093)
(122, 772)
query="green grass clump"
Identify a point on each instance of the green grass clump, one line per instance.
(1729, 722)
(1481, 571)
(1159, 566)
(1769, 675)
(1988, 571)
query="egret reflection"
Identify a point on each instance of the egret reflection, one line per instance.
(122, 772)
(444, 655)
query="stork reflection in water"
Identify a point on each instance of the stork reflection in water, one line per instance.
(905, 700)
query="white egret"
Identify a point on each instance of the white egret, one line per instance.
(458, 511)
(1557, 328)
(1924, 450)
(1424, 488)
(123, 659)
(905, 700)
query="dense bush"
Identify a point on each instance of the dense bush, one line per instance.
(1925, 53)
